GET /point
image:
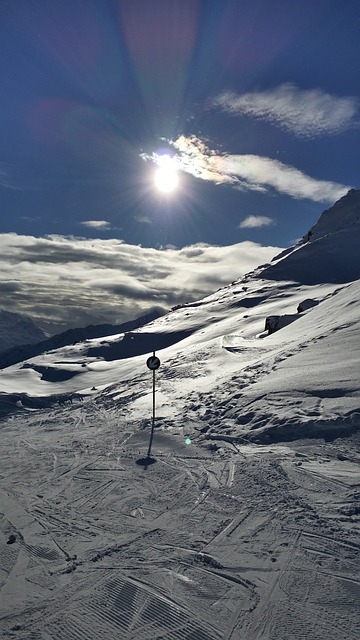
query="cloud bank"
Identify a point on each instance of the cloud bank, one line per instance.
(305, 113)
(251, 172)
(73, 282)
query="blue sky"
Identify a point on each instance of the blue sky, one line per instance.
(258, 102)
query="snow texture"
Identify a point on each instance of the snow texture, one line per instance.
(251, 531)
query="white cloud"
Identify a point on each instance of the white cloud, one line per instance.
(75, 282)
(96, 224)
(195, 157)
(258, 171)
(252, 222)
(305, 113)
(251, 172)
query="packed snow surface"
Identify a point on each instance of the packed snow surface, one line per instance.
(244, 521)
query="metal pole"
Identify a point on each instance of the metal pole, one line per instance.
(152, 363)
(153, 416)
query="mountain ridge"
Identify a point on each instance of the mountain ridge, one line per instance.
(72, 336)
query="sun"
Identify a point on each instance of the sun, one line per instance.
(166, 175)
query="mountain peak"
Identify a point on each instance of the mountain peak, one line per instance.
(329, 252)
(343, 214)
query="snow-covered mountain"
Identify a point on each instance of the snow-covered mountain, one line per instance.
(244, 521)
(16, 329)
(344, 214)
(72, 336)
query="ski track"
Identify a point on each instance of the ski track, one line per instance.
(232, 543)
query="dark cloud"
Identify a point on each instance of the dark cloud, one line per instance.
(10, 286)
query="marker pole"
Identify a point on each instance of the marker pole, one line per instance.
(153, 418)
(153, 363)
(154, 395)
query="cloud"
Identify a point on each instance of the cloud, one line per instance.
(196, 158)
(96, 224)
(73, 282)
(305, 113)
(251, 172)
(252, 222)
(262, 172)
(143, 219)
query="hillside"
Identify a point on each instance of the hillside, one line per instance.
(245, 521)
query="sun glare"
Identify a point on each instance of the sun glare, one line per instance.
(166, 175)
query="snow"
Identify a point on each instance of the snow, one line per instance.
(251, 530)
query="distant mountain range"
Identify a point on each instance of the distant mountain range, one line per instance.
(23, 339)
(18, 329)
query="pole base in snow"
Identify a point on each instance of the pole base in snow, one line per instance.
(145, 462)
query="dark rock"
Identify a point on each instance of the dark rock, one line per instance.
(307, 304)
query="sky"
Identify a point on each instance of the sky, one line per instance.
(254, 103)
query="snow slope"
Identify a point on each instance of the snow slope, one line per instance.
(251, 530)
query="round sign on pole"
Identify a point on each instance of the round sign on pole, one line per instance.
(153, 363)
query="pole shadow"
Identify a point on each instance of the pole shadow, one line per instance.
(145, 462)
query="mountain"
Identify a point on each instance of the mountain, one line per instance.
(344, 214)
(328, 252)
(240, 518)
(16, 329)
(71, 336)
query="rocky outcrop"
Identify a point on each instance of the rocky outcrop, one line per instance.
(307, 304)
